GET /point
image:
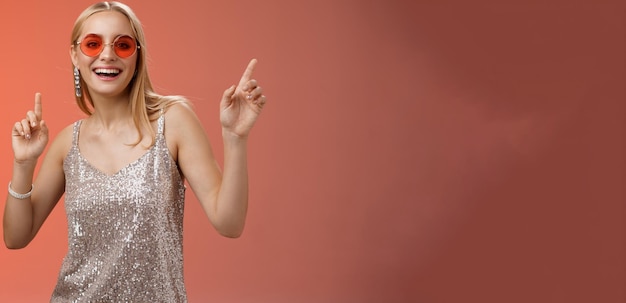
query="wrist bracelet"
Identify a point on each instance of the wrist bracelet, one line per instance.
(18, 195)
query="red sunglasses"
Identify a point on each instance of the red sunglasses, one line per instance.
(124, 46)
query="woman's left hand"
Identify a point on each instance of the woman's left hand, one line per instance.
(241, 105)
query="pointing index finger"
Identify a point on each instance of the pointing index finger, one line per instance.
(38, 107)
(247, 74)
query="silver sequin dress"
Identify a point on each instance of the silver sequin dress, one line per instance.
(125, 231)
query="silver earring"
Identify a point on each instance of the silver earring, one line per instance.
(78, 92)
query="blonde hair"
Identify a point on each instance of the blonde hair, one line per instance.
(145, 102)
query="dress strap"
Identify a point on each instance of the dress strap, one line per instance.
(161, 122)
(76, 132)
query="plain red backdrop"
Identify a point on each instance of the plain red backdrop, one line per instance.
(411, 151)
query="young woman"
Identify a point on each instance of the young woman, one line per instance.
(122, 169)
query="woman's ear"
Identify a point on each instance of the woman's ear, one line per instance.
(73, 55)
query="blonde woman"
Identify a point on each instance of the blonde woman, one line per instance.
(122, 168)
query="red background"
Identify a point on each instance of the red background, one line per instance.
(463, 151)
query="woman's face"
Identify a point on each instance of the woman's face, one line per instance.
(106, 56)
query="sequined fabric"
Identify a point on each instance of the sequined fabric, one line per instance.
(125, 231)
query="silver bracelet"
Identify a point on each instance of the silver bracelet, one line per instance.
(18, 195)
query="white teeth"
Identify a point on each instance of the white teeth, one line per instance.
(107, 71)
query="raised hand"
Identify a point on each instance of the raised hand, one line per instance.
(241, 105)
(30, 135)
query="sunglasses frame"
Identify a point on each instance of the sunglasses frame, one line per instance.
(112, 44)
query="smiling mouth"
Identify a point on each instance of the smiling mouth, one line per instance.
(107, 72)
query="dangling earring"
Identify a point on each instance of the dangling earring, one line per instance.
(79, 92)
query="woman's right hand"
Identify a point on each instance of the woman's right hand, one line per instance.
(30, 135)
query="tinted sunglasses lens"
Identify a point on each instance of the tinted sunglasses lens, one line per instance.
(91, 45)
(125, 46)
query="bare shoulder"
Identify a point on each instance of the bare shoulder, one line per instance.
(181, 117)
(62, 143)
(183, 129)
(180, 110)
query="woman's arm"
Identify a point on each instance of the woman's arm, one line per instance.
(224, 197)
(24, 216)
